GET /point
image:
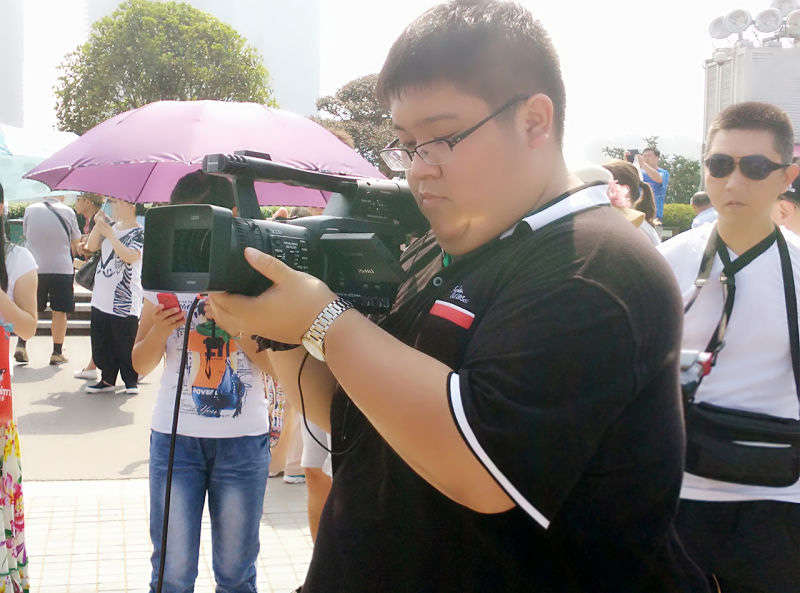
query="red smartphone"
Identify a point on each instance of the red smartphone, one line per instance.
(169, 300)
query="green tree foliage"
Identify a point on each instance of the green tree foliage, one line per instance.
(678, 217)
(355, 109)
(684, 173)
(16, 209)
(150, 51)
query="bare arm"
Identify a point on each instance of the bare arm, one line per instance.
(155, 327)
(317, 381)
(21, 312)
(94, 239)
(651, 171)
(401, 391)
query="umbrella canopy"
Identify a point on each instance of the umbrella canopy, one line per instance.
(139, 155)
(21, 149)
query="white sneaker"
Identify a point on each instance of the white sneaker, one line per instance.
(301, 479)
(131, 390)
(89, 374)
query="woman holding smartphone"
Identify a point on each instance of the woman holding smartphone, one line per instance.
(18, 281)
(222, 443)
(117, 295)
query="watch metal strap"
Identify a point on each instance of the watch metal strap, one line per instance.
(316, 333)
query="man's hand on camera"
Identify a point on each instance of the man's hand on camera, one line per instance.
(283, 312)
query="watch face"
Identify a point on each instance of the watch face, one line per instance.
(314, 348)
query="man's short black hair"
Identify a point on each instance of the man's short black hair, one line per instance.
(700, 199)
(756, 116)
(655, 151)
(486, 48)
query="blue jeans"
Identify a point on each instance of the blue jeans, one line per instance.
(234, 472)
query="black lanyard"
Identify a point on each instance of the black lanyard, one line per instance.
(716, 246)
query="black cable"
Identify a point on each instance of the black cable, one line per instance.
(300, 372)
(173, 438)
(305, 419)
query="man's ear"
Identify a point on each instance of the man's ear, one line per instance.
(781, 211)
(791, 173)
(538, 113)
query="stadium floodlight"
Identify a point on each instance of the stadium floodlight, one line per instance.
(785, 6)
(793, 24)
(769, 20)
(717, 28)
(737, 21)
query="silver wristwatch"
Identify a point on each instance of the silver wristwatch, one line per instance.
(314, 338)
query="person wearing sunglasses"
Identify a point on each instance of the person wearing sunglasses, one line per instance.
(735, 518)
(513, 423)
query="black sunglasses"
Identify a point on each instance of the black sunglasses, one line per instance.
(753, 166)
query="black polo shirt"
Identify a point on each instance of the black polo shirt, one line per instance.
(563, 336)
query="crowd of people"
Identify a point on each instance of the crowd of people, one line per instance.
(557, 401)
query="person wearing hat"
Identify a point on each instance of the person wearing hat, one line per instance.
(87, 205)
(786, 211)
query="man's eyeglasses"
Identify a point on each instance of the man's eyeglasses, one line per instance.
(755, 166)
(435, 152)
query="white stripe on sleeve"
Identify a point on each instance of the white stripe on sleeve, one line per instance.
(472, 441)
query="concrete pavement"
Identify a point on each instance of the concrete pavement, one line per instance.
(86, 494)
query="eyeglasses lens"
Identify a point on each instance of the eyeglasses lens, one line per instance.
(396, 160)
(755, 166)
(720, 165)
(435, 153)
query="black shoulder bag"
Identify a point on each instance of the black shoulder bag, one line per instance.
(734, 445)
(61, 220)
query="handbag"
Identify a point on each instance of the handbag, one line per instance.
(735, 445)
(85, 275)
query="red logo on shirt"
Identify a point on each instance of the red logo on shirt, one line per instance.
(453, 313)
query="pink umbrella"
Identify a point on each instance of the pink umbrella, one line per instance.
(139, 155)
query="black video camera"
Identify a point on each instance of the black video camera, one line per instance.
(354, 246)
(631, 154)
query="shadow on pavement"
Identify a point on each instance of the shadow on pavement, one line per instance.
(77, 413)
(26, 374)
(131, 468)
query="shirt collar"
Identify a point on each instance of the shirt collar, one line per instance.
(571, 203)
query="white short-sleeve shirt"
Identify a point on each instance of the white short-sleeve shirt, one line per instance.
(754, 369)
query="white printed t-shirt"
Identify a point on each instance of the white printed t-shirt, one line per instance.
(223, 391)
(117, 285)
(754, 369)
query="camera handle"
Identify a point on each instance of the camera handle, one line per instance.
(246, 166)
(173, 437)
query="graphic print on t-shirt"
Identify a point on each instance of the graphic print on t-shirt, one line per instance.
(114, 266)
(217, 388)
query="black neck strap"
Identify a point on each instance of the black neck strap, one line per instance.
(716, 246)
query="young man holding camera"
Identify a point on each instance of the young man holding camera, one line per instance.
(514, 423)
(735, 518)
(655, 176)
